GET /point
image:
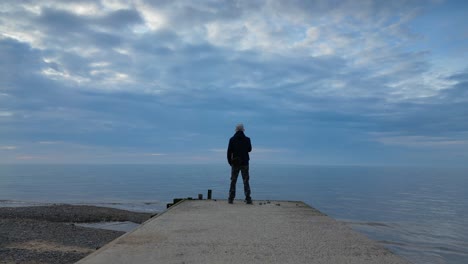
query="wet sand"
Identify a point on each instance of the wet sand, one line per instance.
(48, 234)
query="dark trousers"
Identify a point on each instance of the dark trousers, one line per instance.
(245, 177)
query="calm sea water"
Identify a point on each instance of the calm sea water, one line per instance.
(418, 213)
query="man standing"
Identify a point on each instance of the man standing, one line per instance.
(238, 157)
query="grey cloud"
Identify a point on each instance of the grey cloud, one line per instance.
(74, 116)
(168, 47)
(442, 115)
(377, 11)
(459, 91)
(15, 58)
(61, 22)
(197, 13)
(459, 76)
(179, 84)
(67, 30)
(21, 79)
(161, 42)
(120, 19)
(30, 94)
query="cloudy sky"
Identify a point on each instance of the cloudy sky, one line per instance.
(315, 82)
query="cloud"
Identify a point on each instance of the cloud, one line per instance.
(8, 147)
(5, 114)
(233, 42)
(157, 154)
(458, 93)
(49, 142)
(29, 158)
(422, 141)
(312, 76)
(269, 150)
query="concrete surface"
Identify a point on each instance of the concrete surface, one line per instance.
(211, 231)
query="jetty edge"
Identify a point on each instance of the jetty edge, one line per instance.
(213, 231)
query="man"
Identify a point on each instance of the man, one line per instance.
(238, 157)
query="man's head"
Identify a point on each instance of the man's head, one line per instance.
(240, 127)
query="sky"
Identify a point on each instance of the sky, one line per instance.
(165, 82)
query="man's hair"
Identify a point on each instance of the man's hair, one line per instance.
(240, 127)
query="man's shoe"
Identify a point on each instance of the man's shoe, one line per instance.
(248, 201)
(230, 201)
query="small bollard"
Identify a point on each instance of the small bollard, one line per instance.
(209, 194)
(200, 196)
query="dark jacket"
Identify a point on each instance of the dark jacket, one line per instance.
(239, 147)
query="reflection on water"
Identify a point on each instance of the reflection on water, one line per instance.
(418, 213)
(416, 242)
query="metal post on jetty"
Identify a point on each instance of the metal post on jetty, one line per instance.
(200, 197)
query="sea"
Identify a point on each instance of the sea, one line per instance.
(418, 213)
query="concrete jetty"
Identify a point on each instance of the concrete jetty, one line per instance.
(213, 231)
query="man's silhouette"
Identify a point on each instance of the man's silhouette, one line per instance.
(238, 157)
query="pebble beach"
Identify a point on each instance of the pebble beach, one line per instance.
(50, 234)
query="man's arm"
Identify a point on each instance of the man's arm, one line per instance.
(229, 152)
(249, 147)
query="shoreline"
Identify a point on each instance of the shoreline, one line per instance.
(132, 206)
(51, 234)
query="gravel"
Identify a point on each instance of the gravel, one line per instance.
(47, 234)
(73, 213)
